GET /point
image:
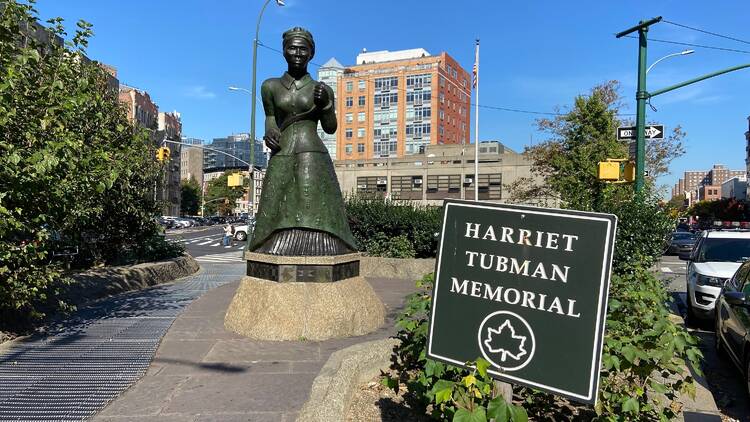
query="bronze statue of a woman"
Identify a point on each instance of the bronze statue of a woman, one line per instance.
(301, 209)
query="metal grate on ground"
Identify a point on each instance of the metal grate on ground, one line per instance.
(98, 353)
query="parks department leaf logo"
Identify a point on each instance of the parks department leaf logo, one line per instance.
(505, 342)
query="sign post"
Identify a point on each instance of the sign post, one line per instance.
(526, 289)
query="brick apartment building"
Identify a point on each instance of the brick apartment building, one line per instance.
(170, 128)
(393, 104)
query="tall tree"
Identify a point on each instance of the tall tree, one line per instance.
(74, 172)
(220, 198)
(579, 139)
(191, 197)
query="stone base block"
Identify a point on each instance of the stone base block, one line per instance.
(319, 269)
(268, 310)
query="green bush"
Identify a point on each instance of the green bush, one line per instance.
(390, 247)
(372, 219)
(75, 174)
(642, 227)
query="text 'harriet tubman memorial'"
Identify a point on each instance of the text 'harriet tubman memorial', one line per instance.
(526, 289)
(302, 261)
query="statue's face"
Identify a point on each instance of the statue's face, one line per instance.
(297, 53)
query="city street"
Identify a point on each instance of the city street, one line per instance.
(205, 245)
(723, 378)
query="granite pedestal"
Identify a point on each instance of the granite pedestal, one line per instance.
(313, 298)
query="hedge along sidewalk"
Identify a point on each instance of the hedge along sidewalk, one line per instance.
(99, 283)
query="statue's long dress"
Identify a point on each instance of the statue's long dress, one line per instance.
(301, 210)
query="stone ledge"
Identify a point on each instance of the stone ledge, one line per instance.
(346, 369)
(102, 282)
(410, 268)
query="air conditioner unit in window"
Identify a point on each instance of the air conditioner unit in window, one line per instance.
(382, 181)
(468, 180)
(417, 181)
(361, 186)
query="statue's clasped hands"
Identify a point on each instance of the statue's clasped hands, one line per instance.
(320, 95)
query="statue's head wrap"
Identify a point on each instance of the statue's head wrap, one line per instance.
(299, 32)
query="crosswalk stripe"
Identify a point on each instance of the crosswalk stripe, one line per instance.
(216, 244)
(229, 257)
(205, 243)
(666, 270)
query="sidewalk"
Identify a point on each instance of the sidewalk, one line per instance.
(201, 372)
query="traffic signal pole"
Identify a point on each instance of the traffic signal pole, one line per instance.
(641, 96)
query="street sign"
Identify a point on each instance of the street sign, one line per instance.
(651, 132)
(526, 289)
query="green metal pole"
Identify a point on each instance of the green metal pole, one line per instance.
(698, 79)
(253, 94)
(640, 120)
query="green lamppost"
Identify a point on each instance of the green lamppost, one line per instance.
(253, 95)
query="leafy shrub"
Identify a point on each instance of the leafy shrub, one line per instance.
(74, 172)
(390, 247)
(377, 218)
(642, 227)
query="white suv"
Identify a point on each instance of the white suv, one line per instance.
(716, 257)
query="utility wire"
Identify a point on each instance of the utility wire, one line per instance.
(705, 32)
(511, 110)
(693, 45)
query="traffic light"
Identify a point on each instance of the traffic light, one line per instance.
(628, 173)
(162, 154)
(234, 179)
(616, 170)
(609, 170)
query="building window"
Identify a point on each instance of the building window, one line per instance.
(348, 149)
(372, 185)
(361, 132)
(442, 81)
(361, 100)
(444, 186)
(349, 101)
(406, 187)
(361, 85)
(348, 133)
(349, 117)
(386, 99)
(442, 115)
(383, 84)
(361, 116)
(442, 98)
(360, 148)
(349, 85)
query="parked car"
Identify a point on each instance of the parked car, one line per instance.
(240, 232)
(681, 243)
(715, 258)
(733, 321)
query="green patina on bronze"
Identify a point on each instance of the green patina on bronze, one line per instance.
(300, 189)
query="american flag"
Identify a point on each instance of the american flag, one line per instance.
(475, 70)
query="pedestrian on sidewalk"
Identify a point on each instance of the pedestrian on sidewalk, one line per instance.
(228, 233)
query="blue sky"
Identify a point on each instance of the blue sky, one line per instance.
(535, 55)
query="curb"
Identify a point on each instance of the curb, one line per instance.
(703, 407)
(103, 282)
(346, 369)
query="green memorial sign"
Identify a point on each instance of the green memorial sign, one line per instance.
(525, 288)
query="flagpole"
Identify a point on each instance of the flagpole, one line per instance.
(476, 125)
